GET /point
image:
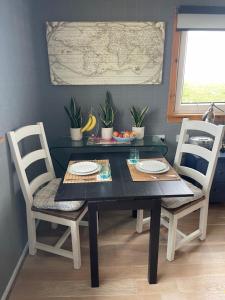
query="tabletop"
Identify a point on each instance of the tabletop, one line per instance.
(121, 187)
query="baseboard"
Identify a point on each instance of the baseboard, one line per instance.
(15, 272)
(17, 268)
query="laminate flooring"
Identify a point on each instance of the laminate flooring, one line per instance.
(197, 273)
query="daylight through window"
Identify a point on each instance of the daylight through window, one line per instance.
(201, 73)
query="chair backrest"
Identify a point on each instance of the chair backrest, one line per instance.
(22, 163)
(211, 156)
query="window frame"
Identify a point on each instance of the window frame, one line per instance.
(177, 62)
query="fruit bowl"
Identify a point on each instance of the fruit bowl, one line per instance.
(124, 140)
(123, 137)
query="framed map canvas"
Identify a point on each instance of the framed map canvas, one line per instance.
(91, 53)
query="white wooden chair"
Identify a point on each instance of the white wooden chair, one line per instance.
(174, 209)
(72, 219)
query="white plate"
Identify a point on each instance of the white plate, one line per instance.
(83, 168)
(151, 169)
(151, 172)
(152, 165)
(86, 174)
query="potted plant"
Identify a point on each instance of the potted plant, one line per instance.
(75, 116)
(138, 118)
(107, 116)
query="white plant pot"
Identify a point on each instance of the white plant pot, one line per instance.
(140, 132)
(107, 133)
(76, 134)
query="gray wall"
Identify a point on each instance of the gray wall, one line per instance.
(19, 105)
(124, 95)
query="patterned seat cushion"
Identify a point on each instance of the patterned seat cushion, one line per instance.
(175, 202)
(45, 198)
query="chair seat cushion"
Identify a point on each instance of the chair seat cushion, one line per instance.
(45, 198)
(175, 202)
(69, 215)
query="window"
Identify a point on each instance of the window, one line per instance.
(198, 65)
(201, 72)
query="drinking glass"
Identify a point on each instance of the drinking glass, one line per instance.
(105, 171)
(134, 156)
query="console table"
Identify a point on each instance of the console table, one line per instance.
(63, 147)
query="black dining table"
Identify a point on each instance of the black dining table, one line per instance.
(122, 193)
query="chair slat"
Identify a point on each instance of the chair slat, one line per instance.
(202, 126)
(197, 150)
(192, 173)
(39, 181)
(31, 157)
(26, 131)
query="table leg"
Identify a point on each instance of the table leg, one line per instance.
(93, 244)
(134, 214)
(154, 242)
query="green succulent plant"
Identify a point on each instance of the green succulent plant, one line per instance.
(74, 113)
(139, 115)
(107, 113)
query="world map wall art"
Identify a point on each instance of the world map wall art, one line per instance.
(91, 53)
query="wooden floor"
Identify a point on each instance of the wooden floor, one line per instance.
(198, 271)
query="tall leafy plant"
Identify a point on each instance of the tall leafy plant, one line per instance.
(74, 113)
(139, 115)
(107, 113)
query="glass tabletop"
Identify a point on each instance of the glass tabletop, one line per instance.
(86, 142)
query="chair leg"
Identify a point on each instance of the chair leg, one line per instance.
(31, 229)
(75, 237)
(203, 221)
(171, 243)
(139, 224)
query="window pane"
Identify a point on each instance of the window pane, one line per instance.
(204, 67)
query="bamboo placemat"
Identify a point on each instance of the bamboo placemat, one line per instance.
(136, 175)
(70, 178)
